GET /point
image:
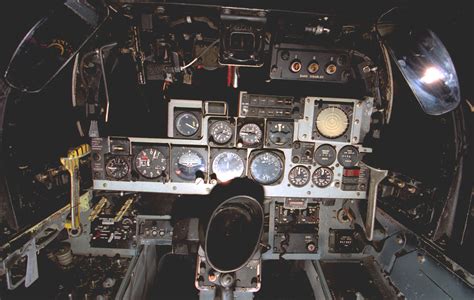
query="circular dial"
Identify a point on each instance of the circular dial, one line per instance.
(188, 163)
(221, 132)
(251, 134)
(325, 155)
(348, 156)
(299, 176)
(117, 167)
(332, 122)
(280, 133)
(266, 168)
(227, 166)
(322, 177)
(187, 124)
(150, 163)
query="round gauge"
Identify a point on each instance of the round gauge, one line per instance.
(325, 155)
(188, 163)
(266, 168)
(280, 133)
(322, 177)
(332, 122)
(348, 156)
(299, 176)
(117, 168)
(251, 134)
(187, 124)
(150, 163)
(221, 132)
(227, 166)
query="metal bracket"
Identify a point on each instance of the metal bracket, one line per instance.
(36, 238)
(376, 176)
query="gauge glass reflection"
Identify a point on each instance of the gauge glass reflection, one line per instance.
(266, 168)
(227, 166)
(188, 163)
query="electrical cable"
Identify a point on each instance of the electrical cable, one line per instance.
(199, 56)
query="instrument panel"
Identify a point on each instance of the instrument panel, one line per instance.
(311, 156)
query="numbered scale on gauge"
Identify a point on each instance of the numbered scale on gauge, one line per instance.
(227, 166)
(150, 163)
(266, 168)
(322, 177)
(250, 134)
(299, 176)
(221, 132)
(117, 168)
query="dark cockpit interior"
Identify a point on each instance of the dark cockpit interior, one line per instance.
(236, 150)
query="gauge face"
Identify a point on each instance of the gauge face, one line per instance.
(251, 134)
(117, 168)
(187, 124)
(325, 155)
(280, 133)
(348, 156)
(299, 176)
(221, 132)
(188, 163)
(332, 122)
(322, 177)
(150, 163)
(227, 166)
(266, 168)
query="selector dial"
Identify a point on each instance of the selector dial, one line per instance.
(332, 122)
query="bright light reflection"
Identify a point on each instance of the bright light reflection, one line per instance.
(431, 75)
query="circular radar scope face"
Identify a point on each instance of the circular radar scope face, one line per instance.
(325, 155)
(221, 132)
(299, 176)
(332, 122)
(150, 163)
(227, 166)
